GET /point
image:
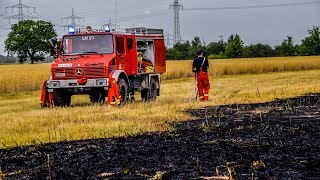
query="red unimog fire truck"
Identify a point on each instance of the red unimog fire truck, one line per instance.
(100, 63)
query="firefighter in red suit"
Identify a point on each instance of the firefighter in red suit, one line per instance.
(200, 68)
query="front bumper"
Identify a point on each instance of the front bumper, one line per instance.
(73, 83)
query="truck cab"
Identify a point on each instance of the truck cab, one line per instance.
(86, 62)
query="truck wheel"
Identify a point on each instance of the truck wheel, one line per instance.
(97, 98)
(67, 100)
(144, 95)
(61, 99)
(153, 90)
(150, 94)
(123, 91)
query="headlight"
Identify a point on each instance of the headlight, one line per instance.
(53, 84)
(101, 82)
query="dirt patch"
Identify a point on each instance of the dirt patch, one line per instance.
(275, 140)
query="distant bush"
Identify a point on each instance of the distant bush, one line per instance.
(220, 56)
(7, 60)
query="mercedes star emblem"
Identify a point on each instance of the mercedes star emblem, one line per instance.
(79, 72)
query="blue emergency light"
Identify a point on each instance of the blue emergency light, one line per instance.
(107, 29)
(71, 30)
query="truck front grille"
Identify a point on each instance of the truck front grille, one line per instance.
(79, 72)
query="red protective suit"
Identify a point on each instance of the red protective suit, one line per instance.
(203, 85)
(200, 67)
(113, 93)
(46, 97)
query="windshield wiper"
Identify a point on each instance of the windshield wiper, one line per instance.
(91, 52)
(69, 54)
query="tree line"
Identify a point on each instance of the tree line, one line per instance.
(7, 59)
(234, 47)
(29, 41)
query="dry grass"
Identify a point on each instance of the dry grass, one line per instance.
(27, 78)
(1, 174)
(23, 122)
(182, 69)
(23, 78)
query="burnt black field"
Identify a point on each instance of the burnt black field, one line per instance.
(274, 140)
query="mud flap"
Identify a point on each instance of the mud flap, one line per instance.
(46, 97)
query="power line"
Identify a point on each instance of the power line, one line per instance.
(42, 17)
(139, 17)
(255, 6)
(71, 20)
(143, 16)
(20, 16)
(137, 6)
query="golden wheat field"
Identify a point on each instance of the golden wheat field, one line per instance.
(29, 77)
(23, 122)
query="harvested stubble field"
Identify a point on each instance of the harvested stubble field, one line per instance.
(278, 139)
(274, 140)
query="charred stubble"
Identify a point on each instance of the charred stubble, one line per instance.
(278, 140)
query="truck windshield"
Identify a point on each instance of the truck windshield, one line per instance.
(88, 43)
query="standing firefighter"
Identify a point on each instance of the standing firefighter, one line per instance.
(200, 68)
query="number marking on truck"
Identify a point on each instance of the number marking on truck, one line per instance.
(65, 65)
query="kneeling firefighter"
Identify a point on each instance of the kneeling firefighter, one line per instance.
(114, 98)
(200, 68)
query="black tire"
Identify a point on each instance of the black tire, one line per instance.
(153, 90)
(61, 99)
(144, 95)
(98, 97)
(123, 91)
(151, 93)
(67, 99)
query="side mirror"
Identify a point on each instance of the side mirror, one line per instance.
(53, 47)
(53, 42)
(52, 51)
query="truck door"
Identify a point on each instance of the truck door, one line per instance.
(132, 54)
(122, 54)
(160, 55)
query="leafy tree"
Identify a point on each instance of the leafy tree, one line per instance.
(196, 44)
(234, 46)
(29, 40)
(286, 48)
(183, 50)
(257, 50)
(311, 44)
(172, 54)
(216, 48)
(298, 51)
(221, 55)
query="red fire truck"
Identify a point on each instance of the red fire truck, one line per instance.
(88, 62)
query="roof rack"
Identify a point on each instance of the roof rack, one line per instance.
(144, 31)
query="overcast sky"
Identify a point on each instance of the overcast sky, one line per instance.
(268, 25)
